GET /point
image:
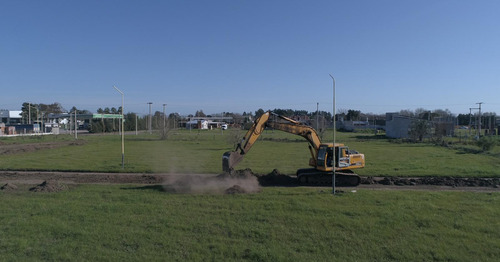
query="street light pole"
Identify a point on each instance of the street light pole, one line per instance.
(123, 130)
(164, 132)
(76, 126)
(334, 129)
(150, 118)
(470, 120)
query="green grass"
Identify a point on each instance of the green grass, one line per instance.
(130, 223)
(201, 152)
(389, 159)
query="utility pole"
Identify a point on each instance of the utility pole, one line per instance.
(479, 122)
(489, 124)
(334, 127)
(470, 120)
(150, 118)
(41, 123)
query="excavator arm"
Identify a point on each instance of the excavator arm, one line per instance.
(275, 121)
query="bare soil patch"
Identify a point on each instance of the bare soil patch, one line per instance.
(235, 190)
(276, 178)
(8, 187)
(238, 181)
(49, 187)
(433, 181)
(36, 177)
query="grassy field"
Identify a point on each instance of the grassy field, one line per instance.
(201, 152)
(142, 223)
(131, 223)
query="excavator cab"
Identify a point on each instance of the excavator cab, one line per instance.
(324, 158)
(344, 158)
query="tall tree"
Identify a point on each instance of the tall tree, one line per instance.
(407, 112)
(353, 115)
(29, 111)
(259, 112)
(200, 113)
(419, 129)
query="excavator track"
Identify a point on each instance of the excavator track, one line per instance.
(313, 177)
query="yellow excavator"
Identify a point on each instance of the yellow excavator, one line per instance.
(321, 153)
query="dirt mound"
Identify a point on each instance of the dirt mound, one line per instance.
(238, 174)
(275, 178)
(235, 190)
(433, 181)
(8, 186)
(49, 186)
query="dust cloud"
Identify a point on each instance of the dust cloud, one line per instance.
(227, 183)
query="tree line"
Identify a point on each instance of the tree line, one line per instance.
(157, 121)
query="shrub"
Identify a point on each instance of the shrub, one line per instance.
(486, 143)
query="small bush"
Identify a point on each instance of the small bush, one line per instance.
(486, 143)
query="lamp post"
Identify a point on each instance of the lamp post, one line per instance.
(150, 118)
(164, 132)
(123, 131)
(334, 127)
(76, 126)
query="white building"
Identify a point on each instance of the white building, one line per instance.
(10, 117)
(197, 124)
(397, 126)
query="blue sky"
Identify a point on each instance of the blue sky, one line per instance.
(236, 56)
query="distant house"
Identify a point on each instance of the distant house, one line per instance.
(208, 123)
(349, 125)
(198, 124)
(397, 126)
(11, 123)
(10, 117)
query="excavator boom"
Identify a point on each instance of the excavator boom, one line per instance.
(232, 158)
(275, 121)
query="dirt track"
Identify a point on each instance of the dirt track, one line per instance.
(272, 179)
(34, 177)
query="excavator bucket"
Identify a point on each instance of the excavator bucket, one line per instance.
(230, 159)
